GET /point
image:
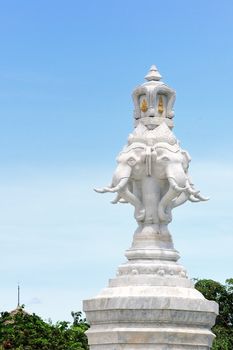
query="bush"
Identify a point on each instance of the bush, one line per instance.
(223, 295)
(21, 331)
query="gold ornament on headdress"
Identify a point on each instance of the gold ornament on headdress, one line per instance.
(144, 105)
(160, 105)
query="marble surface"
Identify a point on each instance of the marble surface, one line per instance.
(151, 303)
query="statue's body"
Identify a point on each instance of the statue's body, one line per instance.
(152, 171)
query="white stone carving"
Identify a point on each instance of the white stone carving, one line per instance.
(152, 175)
(151, 304)
(151, 91)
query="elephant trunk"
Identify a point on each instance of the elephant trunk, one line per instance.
(182, 198)
(165, 205)
(198, 198)
(175, 196)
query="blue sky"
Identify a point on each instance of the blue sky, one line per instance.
(67, 70)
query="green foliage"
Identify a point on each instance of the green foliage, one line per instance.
(21, 331)
(223, 295)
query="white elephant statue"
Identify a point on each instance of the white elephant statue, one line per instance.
(154, 179)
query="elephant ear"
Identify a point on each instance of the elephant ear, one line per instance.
(186, 159)
(131, 161)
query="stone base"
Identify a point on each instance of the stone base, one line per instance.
(148, 347)
(151, 304)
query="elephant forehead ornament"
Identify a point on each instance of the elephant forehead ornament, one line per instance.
(152, 170)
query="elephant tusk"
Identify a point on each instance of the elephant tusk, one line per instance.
(192, 191)
(122, 200)
(103, 190)
(201, 198)
(116, 199)
(174, 185)
(120, 186)
(99, 190)
(190, 188)
(193, 199)
(194, 195)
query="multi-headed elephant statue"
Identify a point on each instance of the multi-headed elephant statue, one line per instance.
(154, 179)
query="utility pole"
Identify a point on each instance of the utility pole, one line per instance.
(18, 305)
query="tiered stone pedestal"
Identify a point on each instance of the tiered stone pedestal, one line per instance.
(151, 304)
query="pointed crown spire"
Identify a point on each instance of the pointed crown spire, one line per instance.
(153, 74)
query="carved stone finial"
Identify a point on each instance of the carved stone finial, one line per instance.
(153, 101)
(153, 74)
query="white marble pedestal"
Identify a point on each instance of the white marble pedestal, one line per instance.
(151, 304)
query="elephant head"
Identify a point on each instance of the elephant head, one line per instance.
(130, 167)
(170, 166)
(154, 179)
